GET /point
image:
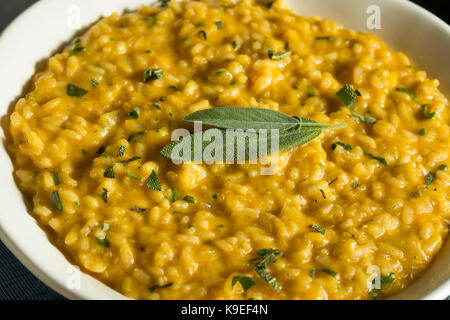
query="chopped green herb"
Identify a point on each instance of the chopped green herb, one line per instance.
(177, 212)
(153, 288)
(267, 256)
(139, 210)
(189, 199)
(220, 226)
(384, 280)
(30, 95)
(330, 272)
(74, 91)
(185, 41)
(219, 25)
(343, 145)
(174, 88)
(157, 105)
(317, 228)
(421, 132)
(56, 178)
(101, 150)
(442, 167)
(234, 44)
(425, 113)
(77, 203)
(278, 55)
(200, 25)
(214, 196)
(355, 185)
(221, 72)
(105, 195)
(311, 92)
(131, 159)
(365, 119)
(121, 151)
(347, 96)
(105, 226)
(109, 172)
(333, 181)
(56, 201)
(381, 160)
(204, 34)
(408, 92)
(175, 195)
(78, 49)
(135, 113)
(94, 82)
(430, 178)
(416, 195)
(150, 21)
(246, 282)
(152, 74)
(153, 182)
(312, 272)
(135, 137)
(132, 176)
(323, 194)
(328, 38)
(103, 242)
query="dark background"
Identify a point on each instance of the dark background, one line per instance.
(16, 282)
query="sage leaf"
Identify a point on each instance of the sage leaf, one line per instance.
(243, 118)
(216, 145)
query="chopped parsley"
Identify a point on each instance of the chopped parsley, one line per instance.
(312, 272)
(343, 145)
(105, 226)
(150, 21)
(330, 272)
(421, 132)
(74, 91)
(245, 281)
(131, 159)
(219, 25)
(135, 136)
(121, 151)
(135, 113)
(267, 256)
(157, 105)
(317, 228)
(105, 195)
(152, 74)
(408, 92)
(174, 88)
(425, 113)
(381, 160)
(139, 210)
(153, 182)
(442, 167)
(355, 185)
(328, 38)
(365, 119)
(103, 242)
(333, 181)
(347, 95)
(56, 201)
(323, 194)
(189, 199)
(94, 83)
(109, 172)
(311, 92)
(175, 195)
(132, 176)
(185, 41)
(153, 288)
(56, 178)
(278, 55)
(430, 178)
(204, 34)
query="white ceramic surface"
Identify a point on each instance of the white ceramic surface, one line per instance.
(40, 30)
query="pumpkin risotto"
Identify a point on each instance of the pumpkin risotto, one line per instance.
(374, 195)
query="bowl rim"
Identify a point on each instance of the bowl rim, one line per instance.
(57, 282)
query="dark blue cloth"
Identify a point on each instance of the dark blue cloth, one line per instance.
(17, 283)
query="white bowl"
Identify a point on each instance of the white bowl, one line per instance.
(39, 31)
